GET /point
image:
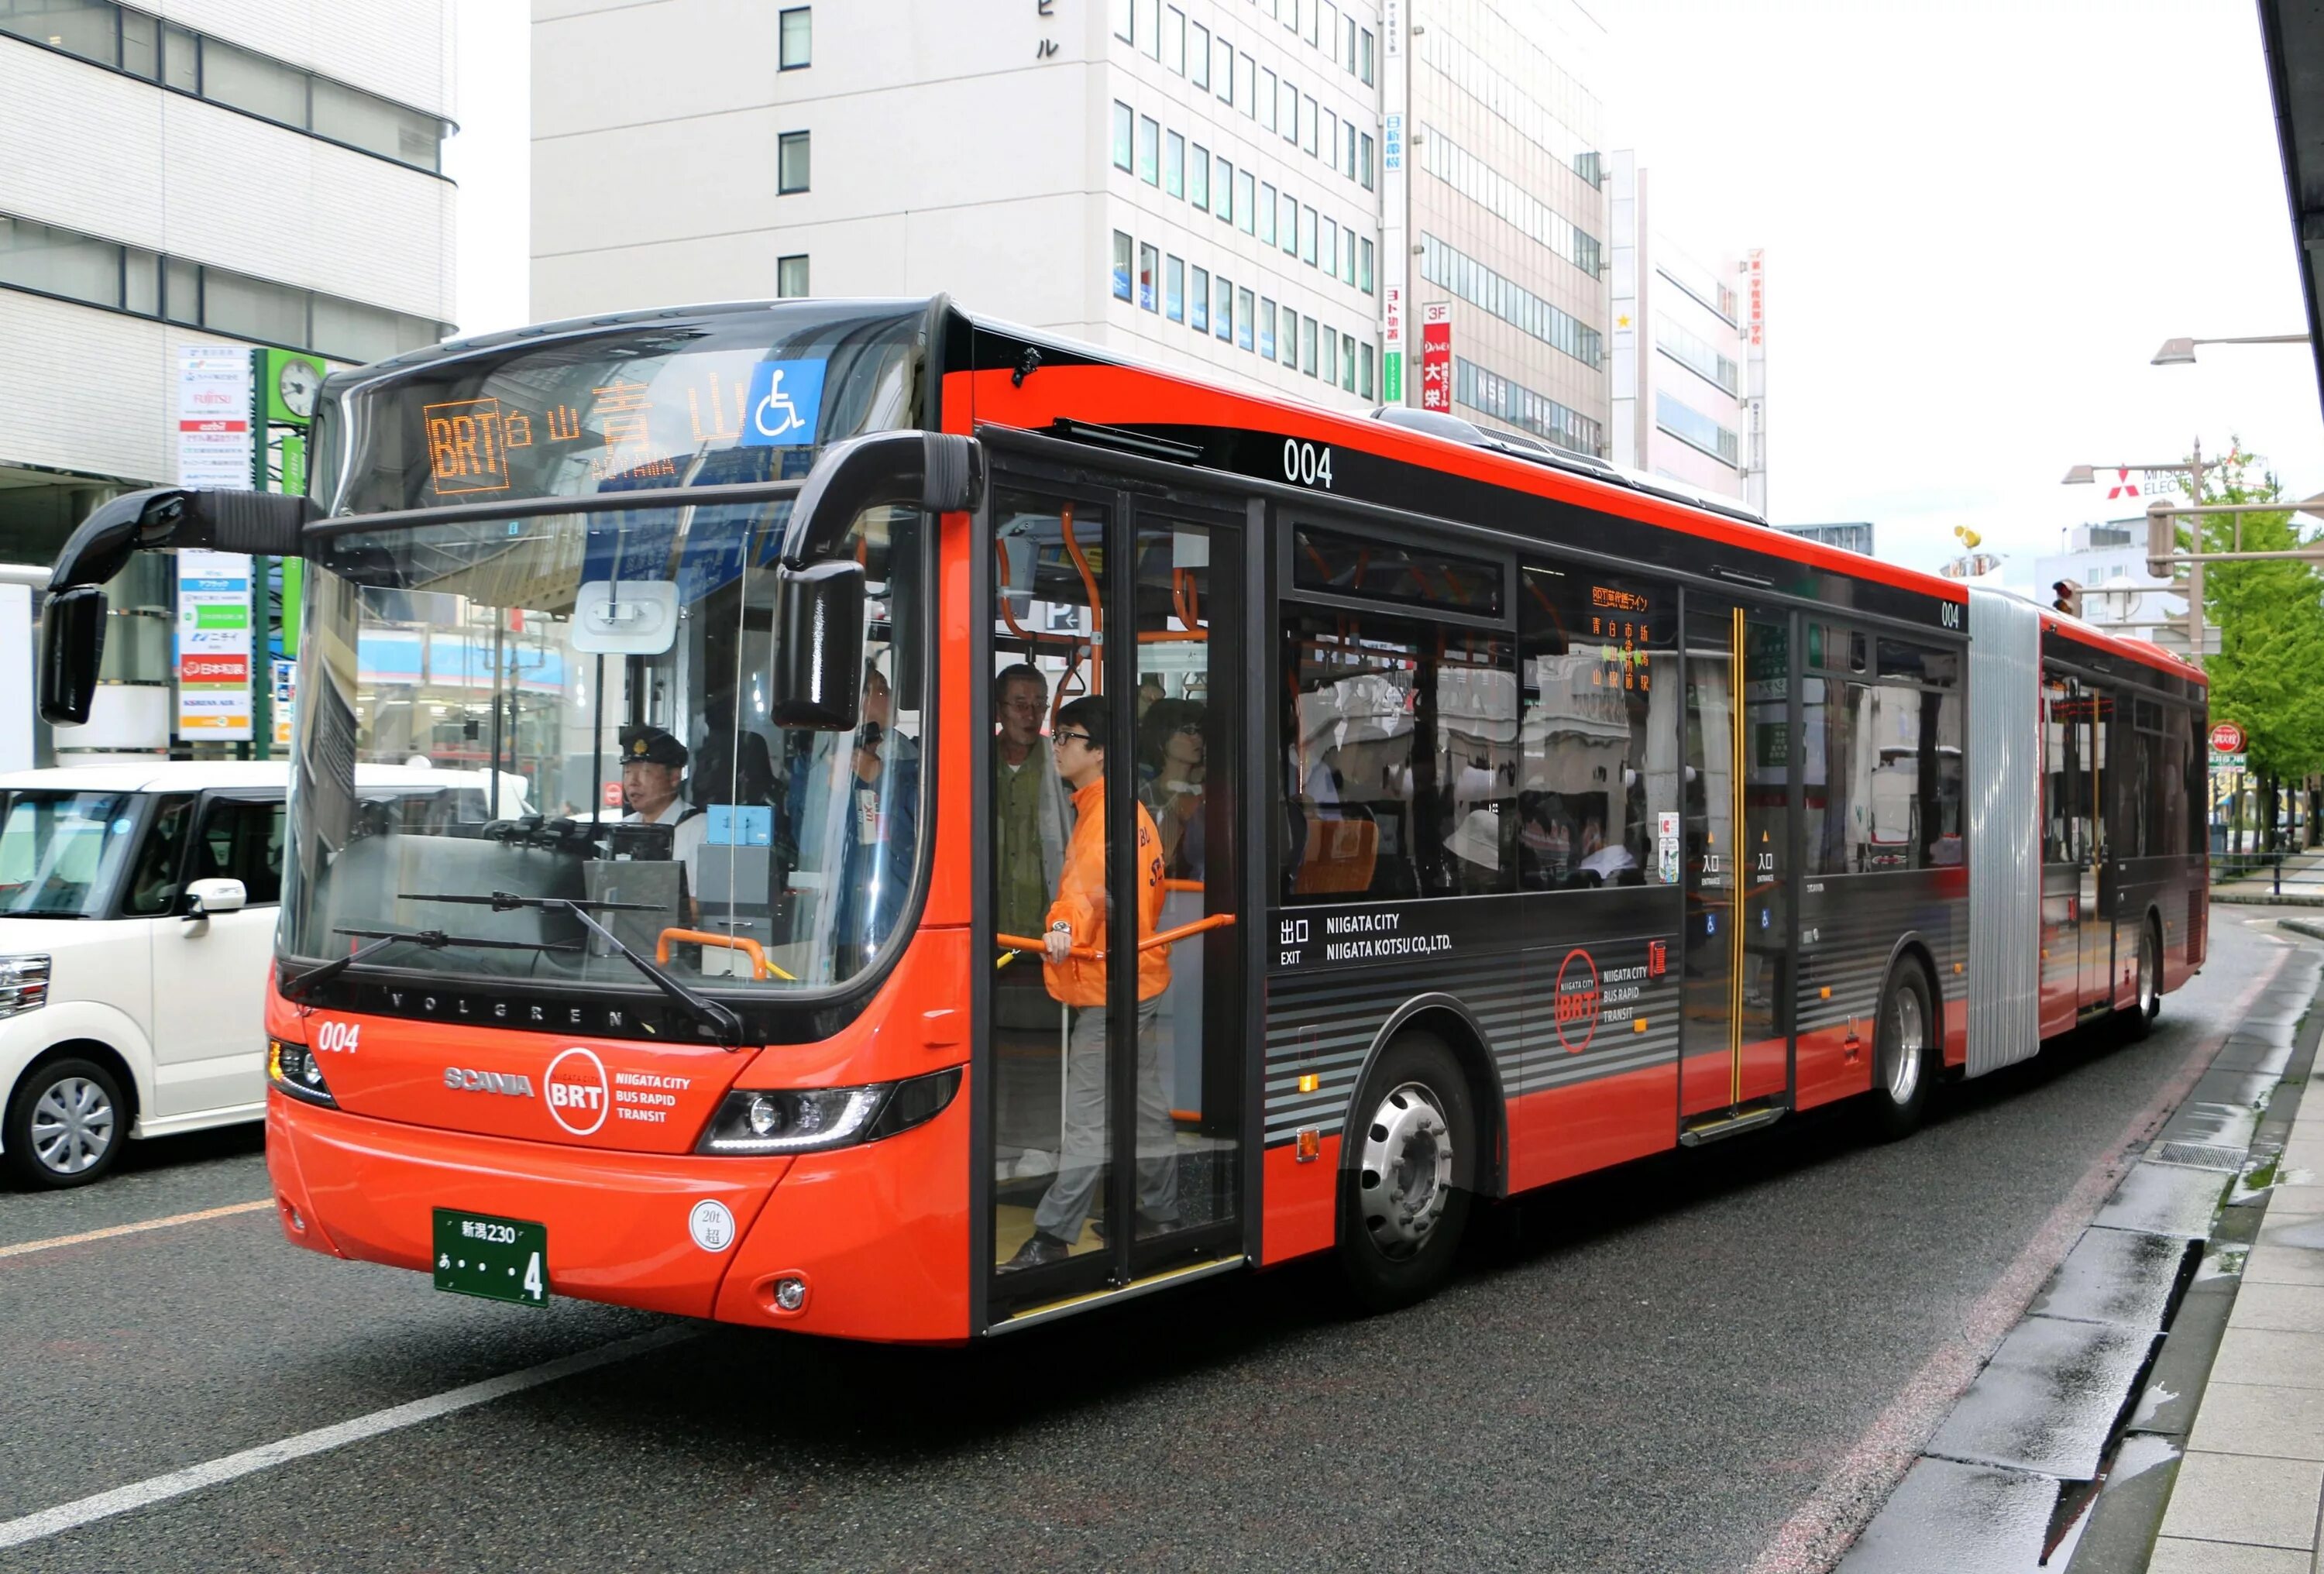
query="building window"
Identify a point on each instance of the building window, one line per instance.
(791, 163)
(1346, 256)
(1267, 201)
(1198, 177)
(1222, 192)
(1364, 160)
(1266, 328)
(1290, 112)
(790, 278)
(1364, 265)
(1121, 250)
(1247, 85)
(1307, 345)
(1124, 27)
(1367, 57)
(1479, 286)
(1222, 312)
(796, 45)
(1290, 223)
(1330, 41)
(105, 273)
(1488, 189)
(1330, 137)
(1198, 54)
(1149, 150)
(1173, 289)
(1174, 39)
(1267, 93)
(1149, 27)
(1347, 363)
(1244, 307)
(1307, 124)
(1348, 43)
(1148, 264)
(1366, 390)
(1328, 249)
(1697, 354)
(139, 45)
(1537, 413)
(1697, 431)
(1198, 302)
(1174, 164)
(1122, 121)
(1224, 71)
(1330, 367)
(1308, 235)
(1246, 202)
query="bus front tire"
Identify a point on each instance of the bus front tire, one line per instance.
(1408, 1175)
(2139, 1020)
(1903, 1067)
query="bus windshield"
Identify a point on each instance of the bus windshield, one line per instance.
(594, 689)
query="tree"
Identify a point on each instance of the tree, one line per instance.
(2269, 673)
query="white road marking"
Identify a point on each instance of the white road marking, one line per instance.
(24, 1248)
(65, 1516)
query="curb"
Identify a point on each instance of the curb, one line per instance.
(2118, 1533)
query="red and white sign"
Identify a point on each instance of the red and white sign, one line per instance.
(611, 793)
(1392, 322)
(198, 668)
(1756, 268)
(2227, 738)
(1437, 356)
(579, 1096)
(2121, 486)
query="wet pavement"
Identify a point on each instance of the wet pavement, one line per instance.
(2077, 1422)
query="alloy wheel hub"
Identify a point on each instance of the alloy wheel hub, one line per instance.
(1407, 1179)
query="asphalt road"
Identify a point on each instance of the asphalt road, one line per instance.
(1653, 1369)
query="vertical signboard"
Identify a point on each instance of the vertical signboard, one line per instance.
(214, 436)
(1437, 356)
(286, 692)
(214, 646)
(1392, 345)
(288, 382)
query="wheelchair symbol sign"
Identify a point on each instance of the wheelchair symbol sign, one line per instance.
(785, 404)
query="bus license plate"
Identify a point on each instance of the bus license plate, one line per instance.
(501, 1259)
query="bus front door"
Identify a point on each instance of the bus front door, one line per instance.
(1113, 1132)
(1734, 1043)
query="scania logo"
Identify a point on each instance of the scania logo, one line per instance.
(515, 1084)
(578, 1096)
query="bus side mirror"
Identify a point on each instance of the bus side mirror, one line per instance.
(818, 676)
(72, 644)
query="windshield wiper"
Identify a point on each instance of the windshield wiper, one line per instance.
(306, 982)
(706, 1013)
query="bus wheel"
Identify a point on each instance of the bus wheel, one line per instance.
(1408, 1174)
(1901, 1070)
(65, 1125)
(2141, 1016)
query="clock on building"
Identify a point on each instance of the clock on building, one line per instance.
(298, 382)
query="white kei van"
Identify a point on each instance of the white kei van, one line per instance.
(137, 909)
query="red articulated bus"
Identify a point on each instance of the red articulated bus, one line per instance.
(1463, 815)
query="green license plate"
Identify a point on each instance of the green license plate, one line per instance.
(501, 1259)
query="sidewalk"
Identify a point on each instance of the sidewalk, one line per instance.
(2301, 885)
(2250, 1489)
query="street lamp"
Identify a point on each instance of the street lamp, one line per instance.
(2182, 352)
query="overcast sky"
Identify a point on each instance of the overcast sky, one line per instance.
(1980, 220)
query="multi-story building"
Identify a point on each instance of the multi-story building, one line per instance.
(251, 172)
(1192, 182)
(1689, 354)
(1496, 214)
(2108, 562)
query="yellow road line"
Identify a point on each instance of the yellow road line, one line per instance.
(26, 1248)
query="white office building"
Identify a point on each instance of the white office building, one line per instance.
(1190, 182)
(2108, 562)
(1690, 350)
(255, 173)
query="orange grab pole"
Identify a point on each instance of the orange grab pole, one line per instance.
(761, 966)
(1089, 583)
(1092, 953)
(1029, 636)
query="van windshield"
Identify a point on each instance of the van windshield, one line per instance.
(60, 852)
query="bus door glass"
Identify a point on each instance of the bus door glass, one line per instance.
(1113, 796)
(2062, 825)
(2094, 900)
(1736, 1037)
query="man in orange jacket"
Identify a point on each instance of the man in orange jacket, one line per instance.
(1077, 920)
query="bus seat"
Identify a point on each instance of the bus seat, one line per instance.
(1339, 859)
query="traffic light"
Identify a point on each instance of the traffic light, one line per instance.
(2066, 596)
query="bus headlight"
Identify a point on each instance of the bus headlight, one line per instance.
(293, 1068)
(24, 984)
(787, 1120)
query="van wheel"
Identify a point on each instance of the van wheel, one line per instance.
(1408, 1174)
(2139, 1020)
(1902, 1065)
(65, 1126)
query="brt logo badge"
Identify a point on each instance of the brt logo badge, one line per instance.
(577, 1095)
(785, 406)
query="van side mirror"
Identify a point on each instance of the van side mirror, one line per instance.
(818, 676)
(72, 646)
(206, 898)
